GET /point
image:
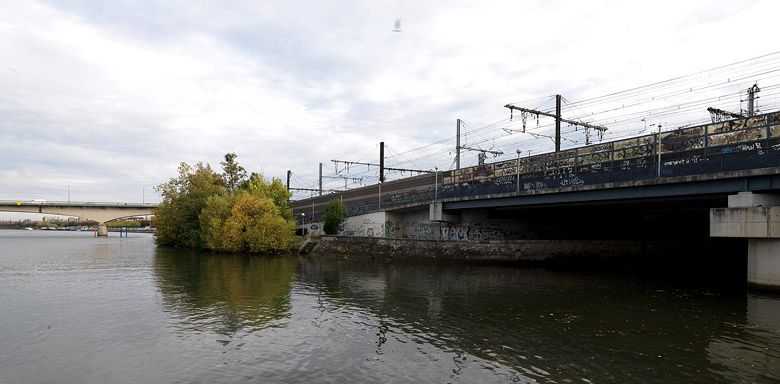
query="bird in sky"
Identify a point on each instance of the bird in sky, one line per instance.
(397, 25)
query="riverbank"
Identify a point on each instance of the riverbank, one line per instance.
(528, 251)
(689, 259)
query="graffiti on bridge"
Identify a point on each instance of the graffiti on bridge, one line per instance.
(465, 232)
(459, 233)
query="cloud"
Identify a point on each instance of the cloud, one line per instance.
(110, 97)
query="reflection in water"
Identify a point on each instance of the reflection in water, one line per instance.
(743, 351)
(555, 327)
(224, 293)
(76, 309)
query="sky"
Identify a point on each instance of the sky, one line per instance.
(101, 100)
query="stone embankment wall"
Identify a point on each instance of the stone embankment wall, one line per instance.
(518, 251)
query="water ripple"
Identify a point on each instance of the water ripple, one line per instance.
(102, 310)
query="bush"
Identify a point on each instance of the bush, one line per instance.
(335, 213)
(203, 209)
(245, 222)
(123, 223)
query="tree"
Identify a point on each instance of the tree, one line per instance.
(275, 190)
(335, 213)
(245, 222)
(261, 223)
(183, 197)
(203, 209)
(212, 221)
(232, 172)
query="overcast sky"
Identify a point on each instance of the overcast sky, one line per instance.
(107, 97)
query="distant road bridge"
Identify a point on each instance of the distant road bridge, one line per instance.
(720, 179)
(100, 212)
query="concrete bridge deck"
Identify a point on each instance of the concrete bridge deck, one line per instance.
(97, 211)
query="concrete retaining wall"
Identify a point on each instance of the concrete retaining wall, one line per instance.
(377, 224)
(472, 225)
(531, 251)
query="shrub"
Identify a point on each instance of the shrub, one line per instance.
(335, 213)
(245, 222)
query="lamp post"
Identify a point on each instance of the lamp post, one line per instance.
(303, 223)
(518, 169)
(658, 149)
(435, 183)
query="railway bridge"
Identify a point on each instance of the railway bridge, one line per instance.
(712, 190)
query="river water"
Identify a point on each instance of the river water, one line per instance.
(79, 309)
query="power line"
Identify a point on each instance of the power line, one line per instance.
(678, 101)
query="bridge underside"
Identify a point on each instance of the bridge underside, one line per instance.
(655, 237)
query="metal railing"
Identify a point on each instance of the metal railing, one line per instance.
(710, 148)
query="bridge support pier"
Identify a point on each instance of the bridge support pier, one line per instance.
(102, 229)
(757, 218)
(764, 263)
(436, 213)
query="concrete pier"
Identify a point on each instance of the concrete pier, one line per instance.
(757, 218)
(102, 230)
(764, 262)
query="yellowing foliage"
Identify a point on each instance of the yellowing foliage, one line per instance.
(245, 222)
(199, 211)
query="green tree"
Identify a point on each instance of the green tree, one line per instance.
(232, 172)
(224, 212)
(335, 213)
(123, 223)
(42, 224)
(183, 198)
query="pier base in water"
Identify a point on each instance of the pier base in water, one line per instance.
(102, 230)
(764, 263)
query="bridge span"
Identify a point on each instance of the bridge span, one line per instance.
(710, 186)
(97, 211)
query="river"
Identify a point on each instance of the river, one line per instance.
(79, 309)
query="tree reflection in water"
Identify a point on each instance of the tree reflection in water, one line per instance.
(224, 293)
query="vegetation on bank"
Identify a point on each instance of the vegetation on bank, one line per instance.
(73, 224)
(335, 214)
(229, 212)
(47, 224)
(128, 223)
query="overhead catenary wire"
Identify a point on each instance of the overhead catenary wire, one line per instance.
(774, 56)
(675, 102)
